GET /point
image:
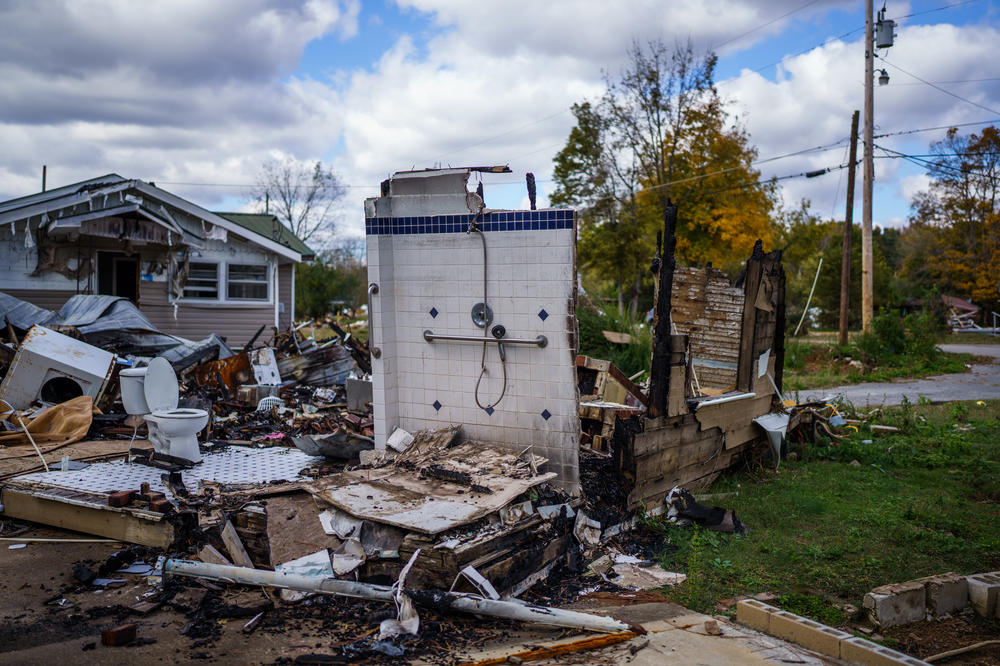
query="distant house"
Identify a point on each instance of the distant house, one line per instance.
(191, 271)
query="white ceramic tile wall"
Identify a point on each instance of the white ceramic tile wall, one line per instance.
(528, 272)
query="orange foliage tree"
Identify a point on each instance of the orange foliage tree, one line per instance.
(961, 209)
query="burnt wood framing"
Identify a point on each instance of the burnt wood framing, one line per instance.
(694, 430)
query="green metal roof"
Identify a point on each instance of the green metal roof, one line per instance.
(269, 227)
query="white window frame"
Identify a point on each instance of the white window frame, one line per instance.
(222, 273)
(219, 284)
(267, 283)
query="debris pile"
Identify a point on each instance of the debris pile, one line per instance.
(284, 490)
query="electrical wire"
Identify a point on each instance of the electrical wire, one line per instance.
(931, 129)
(937, 87)
(764, 25)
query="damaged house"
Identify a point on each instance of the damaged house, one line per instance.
(484, 454)
(192, 272)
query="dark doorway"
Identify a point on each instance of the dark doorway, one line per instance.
(118, 275)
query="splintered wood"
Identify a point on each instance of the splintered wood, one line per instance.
(432, 488)
(708, 309)
(728, 346)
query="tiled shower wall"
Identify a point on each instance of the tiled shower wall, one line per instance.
(430, 274)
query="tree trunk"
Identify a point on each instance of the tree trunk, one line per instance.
(635, 298)
(621, 299)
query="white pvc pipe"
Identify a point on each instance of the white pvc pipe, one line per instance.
(467, 603)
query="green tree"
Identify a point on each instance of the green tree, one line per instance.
(962, 207)
(336, 277)
(660, 133)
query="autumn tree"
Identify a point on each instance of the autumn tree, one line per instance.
(962, 210)
(660, 133)
(302, 196)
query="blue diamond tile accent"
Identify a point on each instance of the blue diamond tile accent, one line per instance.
(543, 315)
(434, 312)
(489, 410)
(437, 406)
(546, 414)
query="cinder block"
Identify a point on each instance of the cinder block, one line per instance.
(945, 593)
(899, 603)
(755, 614)
(803, 631)
(871, 654)
(984, 589)
(819, 637)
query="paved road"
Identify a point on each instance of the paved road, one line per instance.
(980, 383)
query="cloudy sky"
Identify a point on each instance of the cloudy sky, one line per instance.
(195, 95)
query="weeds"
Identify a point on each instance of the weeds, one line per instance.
(825, 531)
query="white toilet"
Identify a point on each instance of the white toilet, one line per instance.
(152, 393)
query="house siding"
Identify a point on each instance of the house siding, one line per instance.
(285, 295)
(236, 323)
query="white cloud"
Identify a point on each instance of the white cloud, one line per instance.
(173, 91)
(190, 91)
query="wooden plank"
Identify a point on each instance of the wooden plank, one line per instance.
(90, 517)
(740, 436)
(676, 403)
(212, 555)
(733, 415)
(235, 547)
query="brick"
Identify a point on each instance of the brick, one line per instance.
(984, 590)
(899, 603)
(161, 505)
(122, 498)
(754, 614)
(123, 634)
(946, 593)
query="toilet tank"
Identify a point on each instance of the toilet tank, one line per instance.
(52, 367)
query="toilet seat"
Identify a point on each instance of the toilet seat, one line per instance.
(162, 393)
(160, 389)
(182, 413)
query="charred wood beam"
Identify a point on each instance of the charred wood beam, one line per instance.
(659, 374)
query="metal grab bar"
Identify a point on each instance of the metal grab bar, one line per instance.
(541, 340)
(376, 352)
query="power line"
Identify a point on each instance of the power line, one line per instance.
(899, 85)
(937, 87)
(937, 165)
(848, 34)
(937, 9)
(764, 25)
(931, 129)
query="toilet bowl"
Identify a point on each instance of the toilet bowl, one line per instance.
(152, 392)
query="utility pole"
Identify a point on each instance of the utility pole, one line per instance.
(44, 169)
(845, 258)
(867, 264)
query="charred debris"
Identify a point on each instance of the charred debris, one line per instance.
(286, 489)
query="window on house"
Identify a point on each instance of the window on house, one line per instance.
(247, 282)
(203, 281)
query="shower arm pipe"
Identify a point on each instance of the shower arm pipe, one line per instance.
(540, 341)
(376, 352)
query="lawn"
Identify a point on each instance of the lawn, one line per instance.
(818, 365)
(840, 520)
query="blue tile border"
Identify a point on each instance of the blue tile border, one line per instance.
(521, 220)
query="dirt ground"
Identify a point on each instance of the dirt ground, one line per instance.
(48, 616)
(924, 639)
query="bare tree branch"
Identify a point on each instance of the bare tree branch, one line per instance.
(302, 196)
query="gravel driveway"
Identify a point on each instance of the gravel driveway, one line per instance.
(982, 382)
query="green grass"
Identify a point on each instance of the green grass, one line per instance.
(818, 365)
(823, 530)
(971, 339)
